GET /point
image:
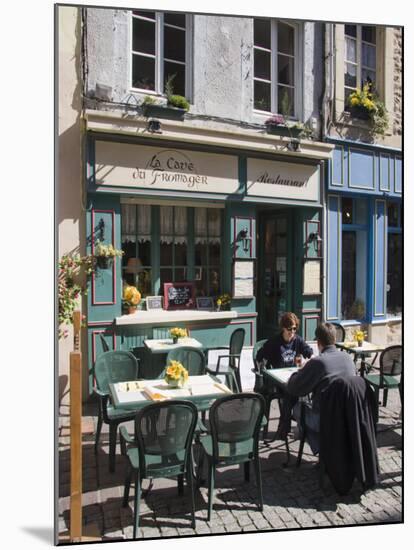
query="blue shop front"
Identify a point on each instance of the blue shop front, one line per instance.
(364, 237)
(239, 221)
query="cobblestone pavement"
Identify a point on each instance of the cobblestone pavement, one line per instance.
(292, 496)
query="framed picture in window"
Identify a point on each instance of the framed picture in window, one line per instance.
(154, 302)
(205, 303)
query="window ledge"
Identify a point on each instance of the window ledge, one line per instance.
(162, 317)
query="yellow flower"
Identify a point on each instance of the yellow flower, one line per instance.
(219, 302)
(354, 101)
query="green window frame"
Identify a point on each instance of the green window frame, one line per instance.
(167, 243)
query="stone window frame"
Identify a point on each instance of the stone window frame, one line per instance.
(384, 70)
(159, 46)
(298, 71)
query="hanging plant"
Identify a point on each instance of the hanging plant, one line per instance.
(74, 272)
(105, 254)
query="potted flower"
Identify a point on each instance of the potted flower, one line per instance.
(105, 254)
(359, 336)
(176, 375)
(364, 104)
(176, 333)
(131, 297)
(223, 302)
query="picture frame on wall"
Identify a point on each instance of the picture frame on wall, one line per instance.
(205, 303)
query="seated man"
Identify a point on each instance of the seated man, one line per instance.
(318, 373)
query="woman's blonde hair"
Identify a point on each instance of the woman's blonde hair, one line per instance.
(288, 320)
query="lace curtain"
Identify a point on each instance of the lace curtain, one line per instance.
(173, 223)
(136, 220)
(207, 218)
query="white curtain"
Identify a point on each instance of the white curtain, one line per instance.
(211, 218)
(178, 228)
(135, 219)
(200, 223)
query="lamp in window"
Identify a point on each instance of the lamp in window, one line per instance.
(245, 239)
(133, 265)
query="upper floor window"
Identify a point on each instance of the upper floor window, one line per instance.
(360, 57)
(159, 51)
(275, 67)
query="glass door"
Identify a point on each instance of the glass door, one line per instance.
(274, 290)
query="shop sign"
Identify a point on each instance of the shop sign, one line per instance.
(145, 167)
(283, 180)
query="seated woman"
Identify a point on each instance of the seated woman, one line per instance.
(280, 350)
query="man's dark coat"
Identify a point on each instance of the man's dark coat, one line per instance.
(348, 449)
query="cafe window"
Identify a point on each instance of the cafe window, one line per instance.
(207, 237)
(136, 244)
(276, 76)
(185, 246)
(360, 60)
(160, 51)
(354, 258)
(173, 244)
(394, 260)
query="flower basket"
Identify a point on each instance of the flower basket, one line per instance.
(283, 130)
(104, 262)
(357, 111)
(163, 111)
(176, 376)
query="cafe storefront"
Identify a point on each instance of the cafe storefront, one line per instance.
(199, 214)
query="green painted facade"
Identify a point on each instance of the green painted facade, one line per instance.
(239, 212)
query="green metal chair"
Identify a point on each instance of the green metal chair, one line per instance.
(112, 367)
(390, 366)
(191, 358)
(105, 346)
(161, 447)
(232, 370)
(235, 422)
(340, 332)
(268, 393)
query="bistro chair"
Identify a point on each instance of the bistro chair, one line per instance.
(232, 370)
(191, 358)
(390, 367)
(104, 343)
(269, 393)
(235, 422)
(112, 367)
(340, 332)
(161, 447)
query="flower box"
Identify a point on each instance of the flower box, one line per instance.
(104, 262)
(282, 130)
(163, 111)
(356, 111)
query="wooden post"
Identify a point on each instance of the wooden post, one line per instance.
(76, 434)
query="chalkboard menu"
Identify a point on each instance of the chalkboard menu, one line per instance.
(179, 296)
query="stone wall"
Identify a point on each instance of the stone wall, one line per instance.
(398, 91)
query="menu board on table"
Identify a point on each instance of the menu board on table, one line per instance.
(179, 296)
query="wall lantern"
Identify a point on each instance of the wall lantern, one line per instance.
(101, 229)
(245, 238)
(294, 145)
(154, 126)
(316, 239)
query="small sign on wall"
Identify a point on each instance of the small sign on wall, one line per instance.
(243, 279)
(312, 277)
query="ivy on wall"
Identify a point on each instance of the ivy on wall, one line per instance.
(74, 272)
